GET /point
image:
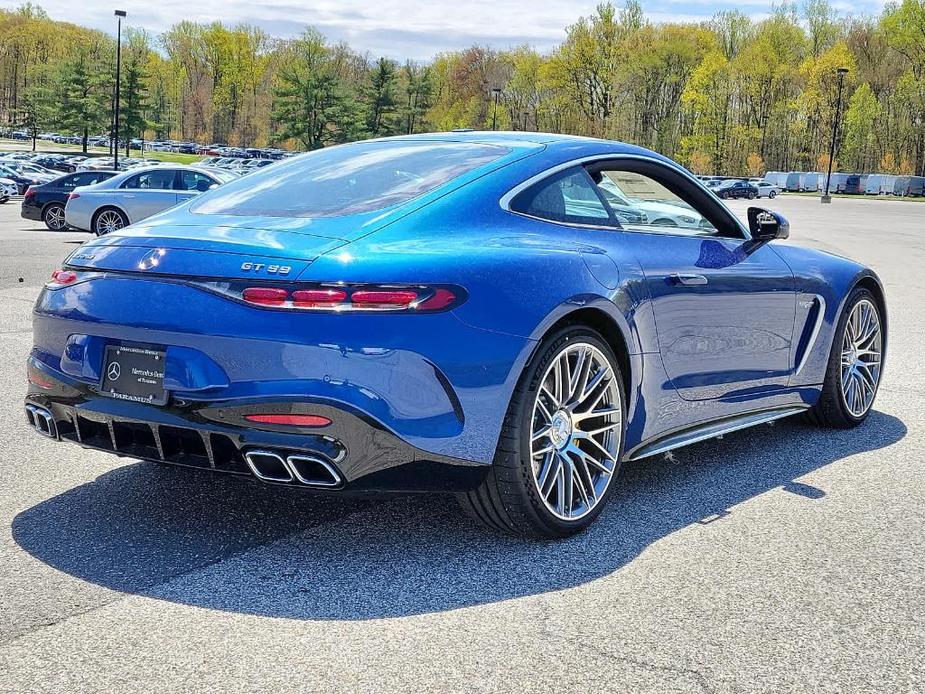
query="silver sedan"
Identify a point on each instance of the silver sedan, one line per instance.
(137, 194)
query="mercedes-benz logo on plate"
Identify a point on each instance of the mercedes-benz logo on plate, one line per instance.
(114, 371)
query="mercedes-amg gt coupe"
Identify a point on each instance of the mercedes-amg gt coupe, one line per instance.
(460, 312)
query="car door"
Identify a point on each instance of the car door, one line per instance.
(724, 306)
(147, 193)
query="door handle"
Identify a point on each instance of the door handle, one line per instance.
(687, 280)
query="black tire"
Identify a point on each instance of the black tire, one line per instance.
(99, 215)
(752, 195)
(507, 500)
(831, 410)
(772, 194)
(53, 216)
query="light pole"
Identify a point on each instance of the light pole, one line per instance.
(494, 114)
(842, 71)
(115, 150)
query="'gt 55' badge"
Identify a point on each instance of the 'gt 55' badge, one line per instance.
(263, 267)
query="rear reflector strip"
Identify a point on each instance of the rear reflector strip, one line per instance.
(294, 420)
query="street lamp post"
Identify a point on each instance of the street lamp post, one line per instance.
(494, 114)
(842, 71)
(115, 149)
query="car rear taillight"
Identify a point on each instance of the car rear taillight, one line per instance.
(345, 299)
(73, 196)
(63, 277)
(265, 296)
(30, 192)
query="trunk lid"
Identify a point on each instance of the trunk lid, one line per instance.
(221, 248)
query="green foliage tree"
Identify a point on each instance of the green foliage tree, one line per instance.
(863, 111)
(85, 94)
(310, 104)
(710, 93)
(133, 94)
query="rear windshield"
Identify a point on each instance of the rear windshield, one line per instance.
(349, 179)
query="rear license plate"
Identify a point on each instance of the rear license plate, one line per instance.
(134, 373)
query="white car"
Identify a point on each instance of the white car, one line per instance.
(8, 189)
(766, 189)
(662, 214)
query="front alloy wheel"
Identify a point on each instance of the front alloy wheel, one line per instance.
(561, 441)
(855, 364)
(862, 348)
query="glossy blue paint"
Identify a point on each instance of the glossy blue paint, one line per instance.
(442, 382)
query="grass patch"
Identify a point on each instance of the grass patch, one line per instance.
(52, 148)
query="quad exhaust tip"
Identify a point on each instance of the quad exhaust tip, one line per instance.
(312, 471)
(42, 421)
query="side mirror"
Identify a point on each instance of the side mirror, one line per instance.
(765, 225)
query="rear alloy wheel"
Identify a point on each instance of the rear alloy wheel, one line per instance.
(772, 194)
(853, 374)
(53, 216)
(109, 221)
(561, 442)
(752, 195)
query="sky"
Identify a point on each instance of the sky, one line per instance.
(400, 29)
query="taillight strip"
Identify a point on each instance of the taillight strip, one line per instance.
(345, 299)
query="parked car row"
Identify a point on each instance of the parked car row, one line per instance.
(751, 188)
(178, 146)
(24, 173)
(104, 201)
(849, 183)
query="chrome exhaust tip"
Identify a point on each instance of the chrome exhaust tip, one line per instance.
(313, 472)
(42, 421)
(268, 466)
(301, 468)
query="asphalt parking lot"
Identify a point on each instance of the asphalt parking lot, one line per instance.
(779, 558)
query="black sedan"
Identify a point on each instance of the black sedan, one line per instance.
(736, 189)
(22, 176)
(45, 203)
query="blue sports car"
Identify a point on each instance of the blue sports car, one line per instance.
(459, 312)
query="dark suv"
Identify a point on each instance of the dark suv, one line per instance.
(45, 202)
(736, 189)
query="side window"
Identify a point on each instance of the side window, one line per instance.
(72, 182)
(569, 196)
(158, 179)
(193, 180)
(643, 204)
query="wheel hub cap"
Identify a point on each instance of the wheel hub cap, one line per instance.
(560, 431)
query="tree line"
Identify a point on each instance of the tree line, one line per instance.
(728, 95)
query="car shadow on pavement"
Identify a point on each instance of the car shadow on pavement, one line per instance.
(228, 544)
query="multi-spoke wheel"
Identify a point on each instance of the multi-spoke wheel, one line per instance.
(862, 347)
(561, 441)
(855, 364)
(577, 423)
(108, 221)
(53, 216)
